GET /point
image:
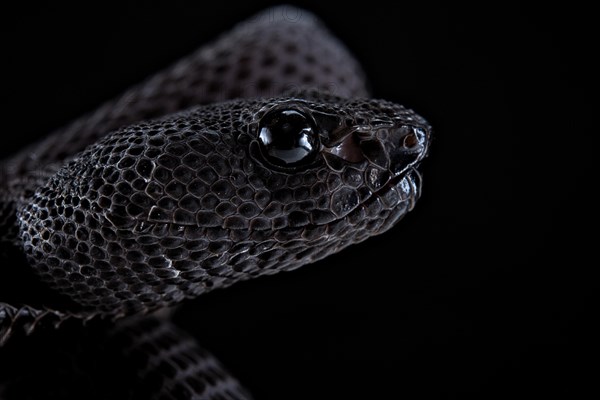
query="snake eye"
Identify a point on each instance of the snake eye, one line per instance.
(288, 138)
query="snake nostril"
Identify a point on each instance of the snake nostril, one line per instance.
(410, 141)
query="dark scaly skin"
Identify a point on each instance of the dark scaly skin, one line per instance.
(159, 211)
(278, 50)
(149, 358)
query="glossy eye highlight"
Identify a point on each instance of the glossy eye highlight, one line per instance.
(288, 138)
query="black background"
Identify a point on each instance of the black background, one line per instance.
(484, 291)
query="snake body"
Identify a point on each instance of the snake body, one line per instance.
(143, 358)
(259, 153)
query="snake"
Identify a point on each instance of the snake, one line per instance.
(260, 152)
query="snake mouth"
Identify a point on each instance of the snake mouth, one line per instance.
(394, 198)
(402, 188)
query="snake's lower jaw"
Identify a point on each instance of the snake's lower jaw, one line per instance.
(409, 188)
(402, 195)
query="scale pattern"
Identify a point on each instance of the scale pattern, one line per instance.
(164, 210)
(149, 358)
(139, 205)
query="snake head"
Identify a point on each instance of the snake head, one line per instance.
(168, 209)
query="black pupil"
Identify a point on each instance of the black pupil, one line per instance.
(288, 138)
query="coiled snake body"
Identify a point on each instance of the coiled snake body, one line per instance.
(278, 159)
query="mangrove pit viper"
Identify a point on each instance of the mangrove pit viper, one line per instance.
(259, 153)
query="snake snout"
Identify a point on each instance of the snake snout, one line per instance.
(408, 147)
